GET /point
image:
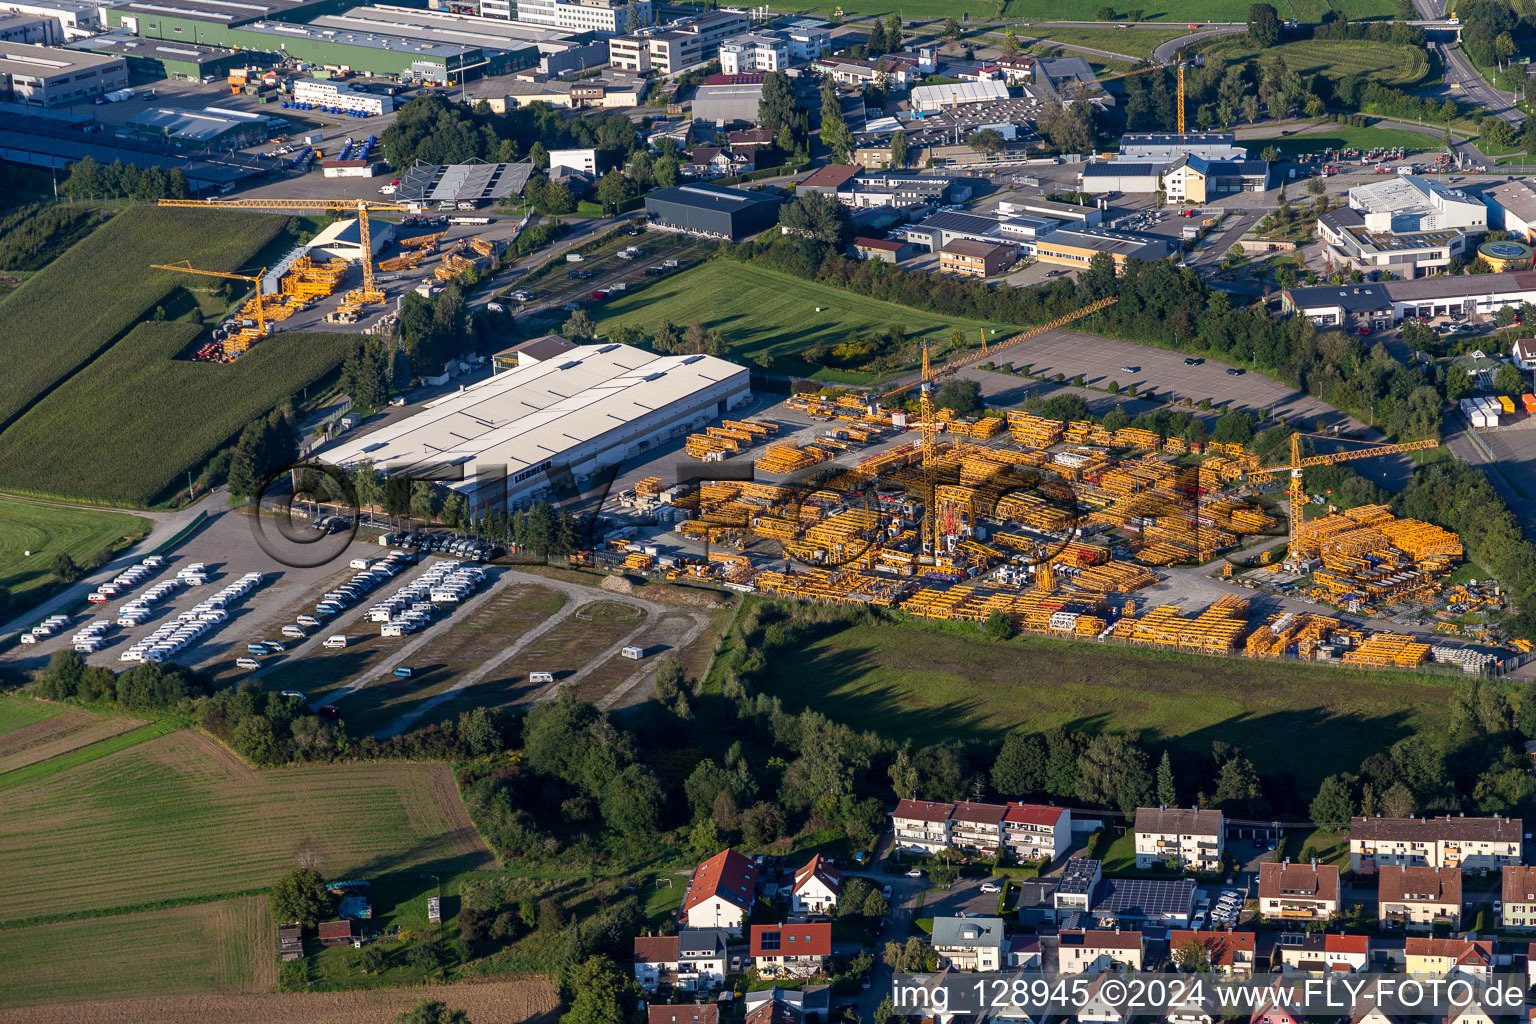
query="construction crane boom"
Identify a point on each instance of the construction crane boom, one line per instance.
(186, 267)
(361, 207)
(1124, 74)
(1298, 495)
(955, 365)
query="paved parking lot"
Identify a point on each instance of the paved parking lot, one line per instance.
(964, 897)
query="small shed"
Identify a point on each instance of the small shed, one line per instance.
(434, 910)
(290, 943)
(337, 933)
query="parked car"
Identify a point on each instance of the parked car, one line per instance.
(991, 888)
(915, 873)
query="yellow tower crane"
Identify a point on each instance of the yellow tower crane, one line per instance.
(1298, 494)
(1181, 97)
(186, 267)
(368, 295)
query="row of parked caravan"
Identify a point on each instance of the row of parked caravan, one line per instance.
(126, 580)
(412, 607)
(190, 625)
(369, 576)
(45, 629)
(92, 636)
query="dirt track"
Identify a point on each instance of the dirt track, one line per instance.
(500, 1002)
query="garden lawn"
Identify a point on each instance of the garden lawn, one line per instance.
(128, 427)
(87, 298)
(1338, 136)
(47, 531)
(928, 682)
(181, 818)
(761, 310)
(1397, 65)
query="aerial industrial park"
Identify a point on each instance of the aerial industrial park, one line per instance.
(631, 512)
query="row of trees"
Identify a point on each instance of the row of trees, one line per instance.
(89, 179)
(266, 447)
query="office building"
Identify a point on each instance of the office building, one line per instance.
(753, 52)
(47, 76)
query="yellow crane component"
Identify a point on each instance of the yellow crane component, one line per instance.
(1123, 74)
(930, 428)
(1181, 97)
(186, 267)
(362, 207)
(957, 364)
(1298, 495)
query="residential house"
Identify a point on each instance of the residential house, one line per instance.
(1229, 953)
(1016, 70)
(1523, 351)
(790, 950)
(656, 961)
(756, 137)
(720, 892)
(897, 74)
(1024, 952)
(969, 258)
(290, 942)
(888, 250)
(921, 825)
(1097, 1008)
(1275, 1005)
(1080, 877)
(810, 1001)
(1441, 958)
(775, 1012)
(1298, 892)
(1322, 953)
(1474, 844)
(338, 933)
(715, 162)
(1091, 951)
(817, 887)
(1417, 896)
(1191, 839)
(702, 958)
(1519, 898)
(1465, 1009)
(683, 1013)
(1037, 831)
(1366, 1011)
(969, 943)
(977, 827)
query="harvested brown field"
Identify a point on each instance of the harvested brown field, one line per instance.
(58, 734)
(525, 999)
(179, 816)
(225, 947)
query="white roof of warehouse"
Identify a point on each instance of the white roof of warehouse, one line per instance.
(932, 97)
(524, 417)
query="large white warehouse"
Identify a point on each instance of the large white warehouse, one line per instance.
(575, 413)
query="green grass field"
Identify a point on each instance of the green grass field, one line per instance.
(1337, 136)
(128, 427)
(47, 530)
(1198, 10)
(68, 313)
(18, 713)
(1387, 63)
(928, 682)
(1134, 42)
(180, 818)
(763, 310)
(226, 947)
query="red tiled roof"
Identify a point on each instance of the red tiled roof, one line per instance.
(685, 1013)
(1416, 883)
(792, 939)
(922, 810)
(1519, 884)
(1462, 951)
(1223, 947)
(830, 176)
(335, 929)
(656, 949)
(986, 814)
(728, 875)
(775, 1012)
(1299, 881)
(818, 867)
(882, 244)
(1034, 814)
(1346, 944)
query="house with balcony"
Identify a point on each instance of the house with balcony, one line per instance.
(1036, 832)
(790, 950)
(817, 887)
(656, 961)
(1323, 952)
(1093, 951)
(1298, 892)
(977, 827)
(1080, 877)
(921, 825)
(1519, 898)
(969, 943)
(702, 958)
(1190, 839)
(1229, 953)
(720, 892)
(1417, 897)
(1471, 844)
(1444, 958)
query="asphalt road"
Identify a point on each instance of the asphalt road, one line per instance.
(1474, 89)
(1166, 51)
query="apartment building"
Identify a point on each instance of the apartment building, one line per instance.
(1037, 831)
(977, 827)
(1229, 953)
(1192, 839)
(808, 40)
(921, 825)
(969, 258)
(1090, 951)
(1419, 897)
(790, 950)
(678, 46)
(1442, 958)
(1298, 892)
(1519, 898)
(1473, 844)
(754, 52)
(1323, 953)
(720, 892)
(969, 943)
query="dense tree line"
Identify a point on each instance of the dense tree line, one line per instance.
(434, 330)
(366, 374)
(265, 447)
(89, 179)
(434, 130)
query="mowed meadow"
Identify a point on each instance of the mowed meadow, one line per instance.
(179, 818)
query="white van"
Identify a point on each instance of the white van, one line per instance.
(294, 632)
(541, 677)
(359, 563)
(336, 640)
(308, 620)
(249, 664)
(633, 653)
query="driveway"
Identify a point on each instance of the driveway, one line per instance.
(964, 897)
